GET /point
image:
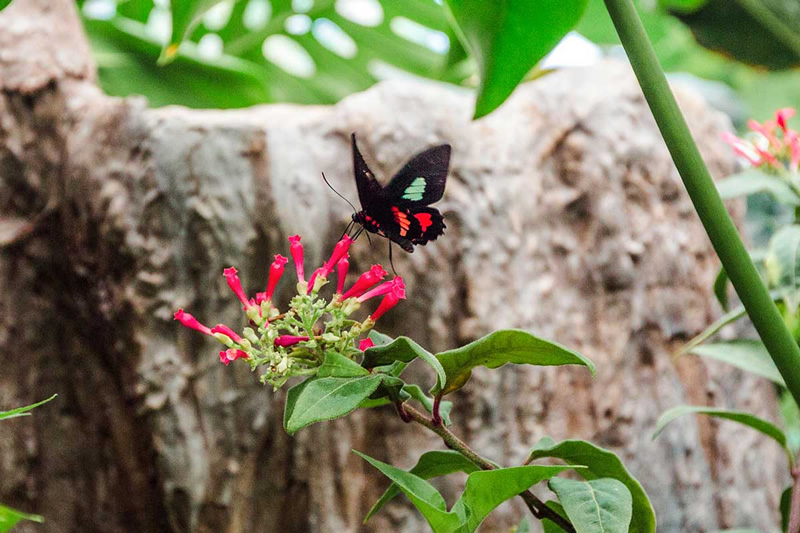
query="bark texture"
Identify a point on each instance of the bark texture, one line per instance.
(565, 217)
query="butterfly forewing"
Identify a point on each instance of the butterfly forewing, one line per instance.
(421, 181)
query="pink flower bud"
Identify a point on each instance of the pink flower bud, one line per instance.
(783, 115)
(365, 344)
(191, 322)
(395, 285)
(275, 273)
(767, 130)
(289, 340)
(794, 147)
(296, 250)
(339, 251)
(236, 286)
(225, 330)
(389, 301)
(341, 273)
(231, 354)
(365, 281)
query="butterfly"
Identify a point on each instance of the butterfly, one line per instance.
(399, 211)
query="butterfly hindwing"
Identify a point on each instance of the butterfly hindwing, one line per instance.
(410, 226)
(421, 181)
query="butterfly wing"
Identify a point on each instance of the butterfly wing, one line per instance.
(370, 192)
(413, 225)
(421, 181)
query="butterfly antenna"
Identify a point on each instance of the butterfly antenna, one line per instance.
(391, 262)
(337, 193)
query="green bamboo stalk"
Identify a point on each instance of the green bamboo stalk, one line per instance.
(718, 224)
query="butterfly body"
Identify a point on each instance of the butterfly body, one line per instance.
(400, 211)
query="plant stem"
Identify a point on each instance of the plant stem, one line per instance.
(718, 224)
(536, 506)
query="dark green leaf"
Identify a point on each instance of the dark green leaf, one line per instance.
(747, 354)
(501, 347)
(4, 4)
(549, 526)
(338, 366)
(430, 465)
(486, 489)
(507, 38)
(405, 350)
(319, 399)
(747, 419)
(598, 506)
(757, 32)
(23, 411)
(754, 181)
(421, 493)
(10, 517)
(427, 402)
(721, 288)
(601, 463)
(785, 507)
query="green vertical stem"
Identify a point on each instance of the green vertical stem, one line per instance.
(718, 224)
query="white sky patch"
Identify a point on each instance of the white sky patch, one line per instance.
(419, 34)
(289, 56)
(297, 24)
(256, 14)
(574, 50)
(159, 24)
(210, 46)
(334, 38)
(218, 16)
(364, 12)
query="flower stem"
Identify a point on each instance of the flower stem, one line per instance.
(707, 202)
(535, 505)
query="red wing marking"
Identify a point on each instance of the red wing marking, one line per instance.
(402, 220)
(424, 220)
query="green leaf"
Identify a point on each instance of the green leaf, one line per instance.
(756, 32)
(23, 411)
(749, 355)
(486, 489)
(4, 4)
(185, 14)
(421, 493)
(790, 416)
(405, 350)
(507, 38)
(548, 525)
(501, 347)
(430, 465)
(378, 338)
(10, 517)
(728, 318)
(427, 402)
(754, 181)
(598, 506)
(337, 365)
(782, 261)
(721, 289)
(318, 399)
(747, 419)
(599, 464)
(785, 507)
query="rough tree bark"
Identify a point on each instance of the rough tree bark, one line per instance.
(565, 216)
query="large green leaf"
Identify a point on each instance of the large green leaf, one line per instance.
(757, 32)
(10, 517)
(405, 350)
(747, 419)
(754, 181)
(422, 494)
(600, 463)
(749, 355)
(502, 347)
(598, 506)
(486, 489)
(319, 399)
(24, 411)
(785, 508)
(508, 37)
(337, 365)
(783, 259)
(430, 465)
(4, 4)
(548, 526)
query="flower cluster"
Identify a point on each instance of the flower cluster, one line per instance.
(772, 145)
(294, 342)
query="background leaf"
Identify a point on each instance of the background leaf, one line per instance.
(4, 4)
(753, 181)
(601, 463)
(502, 347)
(783, 259)
(785, 507)
(430, 465)
(598, 506)
(10, 517)
(507, 38)
(23, 411)
(749, 355)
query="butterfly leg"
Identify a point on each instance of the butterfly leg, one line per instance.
(391, 262)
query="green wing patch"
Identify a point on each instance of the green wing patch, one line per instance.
(416, 190)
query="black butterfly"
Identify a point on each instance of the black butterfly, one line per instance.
(399, 210)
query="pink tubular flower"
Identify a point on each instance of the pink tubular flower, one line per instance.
(296, 250)
(191, 322)
(339, 251)
(396, 293)
(225, 330)
(767, 130)
(395, 285)
(275, 273)
(783, 115)
(741, 148)
(231, 354)
(365, 344)
(341, 273)
(365, 281)
(236, 286)
(289, 340)
(793, 139)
